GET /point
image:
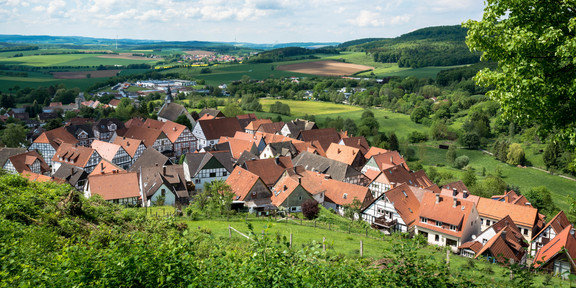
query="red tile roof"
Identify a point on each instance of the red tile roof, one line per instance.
(445, 212)
(37, 177)
(147, 135)
(115, 186)
(357, 142)
(106, 167)
(242, 181)
(389, 159)
(105, 149)
(325, 136)
(373, 151)
(342, 153)
(130, 145)
(55, 137)
(269, 169)
(563, 242)
(22, 162)
(558, 223)
(216, 128)
(74, 155)
(273, 128)
(405, 202)
(254, 125)
(283, 189)
(521, 215)
(237, 146)
(343, 193)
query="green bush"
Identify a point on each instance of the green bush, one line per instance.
(461, 162)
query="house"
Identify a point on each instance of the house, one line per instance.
(79, 156)
(375, 151)
(356, 142)
(256, 138)
(337, 170)
(253, 126)
(6, 152)
(272, 128)
(171, 112)
(114, 103)
(236, 146)
(557, 256)
(208, 132)
(324, 136)
(151, 137)
(339, 195)
(245, 119)
(121, 188)
(134, 147)
(113, 153)
(250, 190)
(37, 177)
(269, 170)
(397, 209)
(549, 232)
(181, 138)
(289, 193)
(392, 176)
(526, 217)
(278, 149)
(501, 242)
(447, 221)
(48, 142)
(166, 184)
(104, 128)
(71, 174)
(27, 162)
(203, 167)
(346, 154)
(150, 157)
(82, 132)
(211, 112)
(293, 128)
(383, 161)
(106, 167)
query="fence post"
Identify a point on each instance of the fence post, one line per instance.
(324, 244)
(229, 231)
(366, 232)
(448, 257)
(361, 248)
(314, 223)
(290, 240)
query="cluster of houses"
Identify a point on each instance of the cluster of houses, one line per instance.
(274, 166)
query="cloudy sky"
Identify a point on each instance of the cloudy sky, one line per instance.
(256, 21)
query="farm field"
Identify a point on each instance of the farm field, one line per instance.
(70, 60)
(325, 68)
(84, 74)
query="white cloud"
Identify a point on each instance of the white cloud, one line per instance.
(57, 8)
(369, 18)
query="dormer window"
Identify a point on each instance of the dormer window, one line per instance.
(345, 196)
(439, 223)
(112, 127)
(423, 219)
(453, 227)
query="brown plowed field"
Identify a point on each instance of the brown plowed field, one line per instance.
(325, 68)
(82, 74)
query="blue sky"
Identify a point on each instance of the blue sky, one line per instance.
(256, 21)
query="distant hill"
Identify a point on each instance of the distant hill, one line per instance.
(78, 42)
(432, 46)
(291, 53)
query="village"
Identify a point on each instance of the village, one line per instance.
(273, 166)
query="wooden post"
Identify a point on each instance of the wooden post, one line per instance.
(290, 240)
(229, 231)
(366, 232)
(262, 233)
(448, 256)
(314, 223)
(361, 248)
(324, 244)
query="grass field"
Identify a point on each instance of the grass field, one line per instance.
(339, 241)
(524, 178)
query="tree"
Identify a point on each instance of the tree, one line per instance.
(353, 209)
(541, 198)
(551, 155)
(470, 140)
(182, 119)
(310, 209)
(14, 135)
(221, 196)
(418, 114)
(393, 142)
(232, 109)
(461, 162)
(532, 42)
(469, 178)
(515, 155)
(451, 154)
(350, 126)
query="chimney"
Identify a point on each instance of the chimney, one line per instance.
(454, 192)
(164, 170)
(504, 234)
(392, 159)
(437, 198)
(465, 194)
(102, 166)
(455, 202)
(392, 185)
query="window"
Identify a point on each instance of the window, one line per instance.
(453, 227)
(525, 231)
(404, 192)
(438, 223)
(482, 221)
(423, 220)
(212, 174)
(163, 192)
(224, 173)
(437, 238)
(197, 181)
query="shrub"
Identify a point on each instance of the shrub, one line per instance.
(516, 155)
(461, 162)
(310, 209)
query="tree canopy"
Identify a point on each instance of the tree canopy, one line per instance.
(534, 44)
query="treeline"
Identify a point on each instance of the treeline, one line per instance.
(8, 47)
(290, 53)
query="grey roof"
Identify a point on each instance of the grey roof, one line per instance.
(103, 124)
(246, 156)
(337, 170)
(212, 112)
(153, 177)
(197, 161)
(282, 148)
(298, 125)
(218, 127)
(6, 153)
(70, 173)
(78, 128)
(171, 111)
(150, 157)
